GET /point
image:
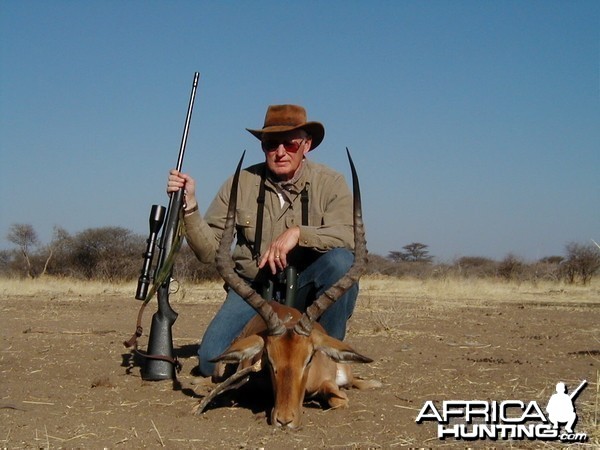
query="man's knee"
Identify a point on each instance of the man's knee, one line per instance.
(223, 329)
(205, 354)
(337, 261)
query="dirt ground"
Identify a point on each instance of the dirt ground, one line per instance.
(66, 384)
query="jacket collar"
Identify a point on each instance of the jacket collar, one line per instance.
(296, 184)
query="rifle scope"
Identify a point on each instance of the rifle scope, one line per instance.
(157, 217)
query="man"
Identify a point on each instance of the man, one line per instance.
(290, 211)
(560, 408)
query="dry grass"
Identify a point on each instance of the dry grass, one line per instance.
(455, 290)
(72, 289)
(10, 287)
(458, 290)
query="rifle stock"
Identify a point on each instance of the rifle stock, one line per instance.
(160, 362)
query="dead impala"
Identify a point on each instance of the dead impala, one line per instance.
(302, 360)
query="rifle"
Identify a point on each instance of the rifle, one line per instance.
(159, 360)
(576, 392)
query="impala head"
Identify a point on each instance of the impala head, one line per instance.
(289, 349)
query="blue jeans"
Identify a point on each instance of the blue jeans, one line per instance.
(312, 282)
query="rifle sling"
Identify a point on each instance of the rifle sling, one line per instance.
(132, 342)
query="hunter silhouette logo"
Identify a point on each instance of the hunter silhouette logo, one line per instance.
(561, 408)
(508, 419)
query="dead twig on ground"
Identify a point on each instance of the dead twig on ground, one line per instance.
(162, 444)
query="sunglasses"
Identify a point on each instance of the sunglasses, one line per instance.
(290, 146)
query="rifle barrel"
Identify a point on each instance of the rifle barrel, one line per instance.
(188, 119)
(575, 393)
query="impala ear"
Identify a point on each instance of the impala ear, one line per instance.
(337, 350)
(241, 349)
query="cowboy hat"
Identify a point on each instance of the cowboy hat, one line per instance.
(281, 118)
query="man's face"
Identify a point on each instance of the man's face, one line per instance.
(284, 152)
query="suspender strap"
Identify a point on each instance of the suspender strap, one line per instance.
(259, 217)
(304, 200)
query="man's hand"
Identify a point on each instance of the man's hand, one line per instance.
(276, 254)
(178, 180)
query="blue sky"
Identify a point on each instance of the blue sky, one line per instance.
(474, 125)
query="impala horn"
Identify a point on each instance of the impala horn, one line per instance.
(331, 295)
(225, 265)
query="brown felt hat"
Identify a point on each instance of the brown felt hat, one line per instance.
(280, 118)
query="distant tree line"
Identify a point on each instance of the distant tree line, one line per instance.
(580, 263)
(106, 253)
(115, 254)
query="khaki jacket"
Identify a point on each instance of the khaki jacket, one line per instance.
(329, 217)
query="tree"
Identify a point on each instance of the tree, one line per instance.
(554, 259)
(582, 262)
(24, 236)
(510, 267)
(396, 256)
(414, 252)
(57, 252)
(108, 253)
(476, 266)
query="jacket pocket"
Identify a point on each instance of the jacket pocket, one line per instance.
(246, 225)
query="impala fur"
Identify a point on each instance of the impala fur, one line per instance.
(302, 360)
